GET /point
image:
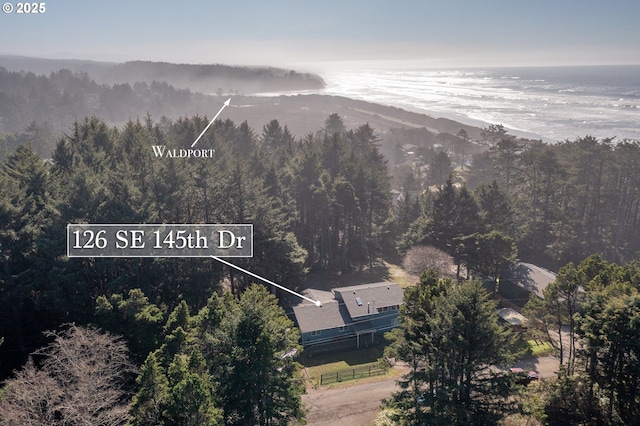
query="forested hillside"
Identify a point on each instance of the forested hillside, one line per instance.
(62, 97)
(313, 203)
(203, 78)
(42, 103)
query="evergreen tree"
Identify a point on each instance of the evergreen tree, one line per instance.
(449, 341)
(413, 343)
(439, 168)
(149, 403)
(444, 217)
(495, 252)
(334, 124)
(191, 400)
(469, 340)
(496, 210)
(273, 135)
(259, 382)
(504, 157)
(134, 318)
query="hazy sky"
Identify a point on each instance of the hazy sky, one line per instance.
(318, 34)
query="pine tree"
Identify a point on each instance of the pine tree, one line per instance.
(496, 210)
(449, 335)
(190, 399)
(150, 401)
(259, 382)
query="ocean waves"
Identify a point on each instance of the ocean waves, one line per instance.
(550, 103)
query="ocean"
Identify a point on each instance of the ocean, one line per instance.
(548, 103)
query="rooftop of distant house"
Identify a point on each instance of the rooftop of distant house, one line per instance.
(531, 277)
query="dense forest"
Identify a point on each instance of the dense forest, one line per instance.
(313, 204)
(558, 202)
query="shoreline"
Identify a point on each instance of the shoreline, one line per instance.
(464, 120)
(305, 113)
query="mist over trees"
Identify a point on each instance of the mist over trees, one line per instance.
(55, 101)
(204, 78)
(37, 104)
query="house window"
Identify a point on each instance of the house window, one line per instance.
(316, 332)
(394, 308)
(343, 328)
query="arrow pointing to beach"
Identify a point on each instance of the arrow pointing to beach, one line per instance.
(226, 104)
(315, 302)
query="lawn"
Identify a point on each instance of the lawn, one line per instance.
(530, 347)
(539, 348)
(340, 361)
(344, 358)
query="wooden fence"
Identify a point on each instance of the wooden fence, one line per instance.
(359, 372)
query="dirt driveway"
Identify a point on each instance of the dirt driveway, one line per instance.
(355, 405)
(358, 403)
(350, 404)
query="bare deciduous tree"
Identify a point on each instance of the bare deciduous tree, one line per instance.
(419, 258)
(80, 382)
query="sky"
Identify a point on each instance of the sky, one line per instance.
(327, 34)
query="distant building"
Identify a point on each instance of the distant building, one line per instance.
(356, 313)
(409, 148)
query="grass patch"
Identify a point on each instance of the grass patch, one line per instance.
(318, 370)
(398, 275)
(539, 348)
(339, 361)
(524, 347)
(347, 358)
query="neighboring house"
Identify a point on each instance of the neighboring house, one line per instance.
(520, 281)
(357, 313)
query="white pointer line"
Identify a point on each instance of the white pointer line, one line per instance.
(226, 104)
(315, 302)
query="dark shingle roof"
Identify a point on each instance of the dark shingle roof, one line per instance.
(532, 278)
(344, 309)
(313, 318)
(372, 296)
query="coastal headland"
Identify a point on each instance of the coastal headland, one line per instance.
(305, 114)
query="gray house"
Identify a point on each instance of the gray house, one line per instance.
(521, 280)
(356, 313)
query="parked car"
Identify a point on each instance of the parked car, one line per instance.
(523, 377)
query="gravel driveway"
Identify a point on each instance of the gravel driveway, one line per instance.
(358, 403)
